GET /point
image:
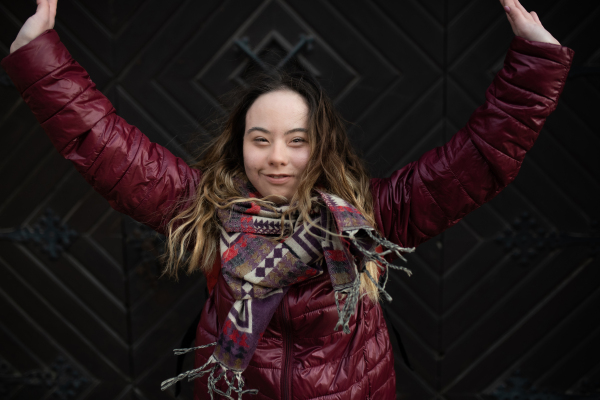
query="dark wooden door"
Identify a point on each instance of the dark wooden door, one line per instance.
(504, 304)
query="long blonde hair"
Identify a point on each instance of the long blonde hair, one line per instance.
(333, 165)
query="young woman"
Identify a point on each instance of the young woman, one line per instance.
(281, 215)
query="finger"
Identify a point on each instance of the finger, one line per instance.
(513, 13)
(519, 18)
(53, 5)
(513, 8)
(510, 17)
(522, 9)
(508, 5)
(536, 18)
(520, 6)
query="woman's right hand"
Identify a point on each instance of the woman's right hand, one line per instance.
(526, 24)
(41, 21)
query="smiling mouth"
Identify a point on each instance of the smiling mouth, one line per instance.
(278, 179)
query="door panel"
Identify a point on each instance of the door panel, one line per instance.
(502, 304)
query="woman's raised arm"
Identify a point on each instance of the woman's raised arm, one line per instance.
(137, 177)
(433, 193)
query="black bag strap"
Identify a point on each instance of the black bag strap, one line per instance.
(397, 334)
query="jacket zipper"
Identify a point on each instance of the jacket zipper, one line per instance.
(287, 336)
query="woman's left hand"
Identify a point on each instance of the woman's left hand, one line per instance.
(526, 24)
(38, 23)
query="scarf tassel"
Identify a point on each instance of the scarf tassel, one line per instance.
(378, 258)
(211, 366)
(349, 306)
(352, 293)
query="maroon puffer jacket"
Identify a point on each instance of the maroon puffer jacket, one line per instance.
(300, 356)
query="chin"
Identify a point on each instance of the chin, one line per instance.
(277, 197)
(277, 193)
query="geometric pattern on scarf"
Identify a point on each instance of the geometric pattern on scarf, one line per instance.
(259, 271)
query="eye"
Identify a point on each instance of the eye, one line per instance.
(260, 139)
(298, 140)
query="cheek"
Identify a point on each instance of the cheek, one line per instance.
(251, 158)
(301, 157)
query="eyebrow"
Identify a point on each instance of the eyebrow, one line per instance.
(257, 128)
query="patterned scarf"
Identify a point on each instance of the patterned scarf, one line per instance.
(260, 269)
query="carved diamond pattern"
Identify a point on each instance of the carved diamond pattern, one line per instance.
(407, 75)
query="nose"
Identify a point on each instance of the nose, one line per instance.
(278, 155)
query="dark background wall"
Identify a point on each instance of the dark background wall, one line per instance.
(505, 303)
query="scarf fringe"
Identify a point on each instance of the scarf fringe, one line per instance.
(211, 366)
(378, 258)
(349, 306)
(352, 293)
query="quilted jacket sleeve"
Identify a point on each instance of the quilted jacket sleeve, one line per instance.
(137, 177)
(433, 193)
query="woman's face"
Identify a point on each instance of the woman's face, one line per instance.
(276, 148)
